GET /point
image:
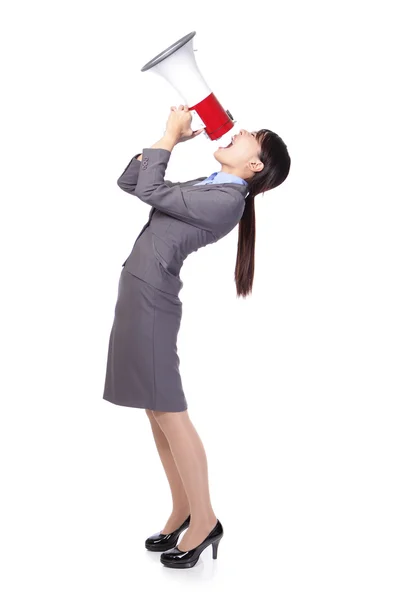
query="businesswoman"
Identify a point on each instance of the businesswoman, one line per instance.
(143, 362)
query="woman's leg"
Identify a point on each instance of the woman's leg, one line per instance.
(190, 458)
(180, 502)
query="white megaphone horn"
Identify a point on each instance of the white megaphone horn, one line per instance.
(177, 64)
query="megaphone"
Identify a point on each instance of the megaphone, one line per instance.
(177, 64)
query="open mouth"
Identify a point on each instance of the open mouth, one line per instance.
(224, 147)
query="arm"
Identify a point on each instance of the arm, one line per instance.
(208, 209)
(128, 180)
(178, 129)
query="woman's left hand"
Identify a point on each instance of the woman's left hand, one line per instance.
(179, 124)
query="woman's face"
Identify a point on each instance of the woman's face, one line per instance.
(243, 149)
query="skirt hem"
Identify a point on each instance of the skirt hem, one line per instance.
(142, 407)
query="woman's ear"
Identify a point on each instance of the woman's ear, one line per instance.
(257, 166)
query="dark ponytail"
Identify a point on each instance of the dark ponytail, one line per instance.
(275, 157)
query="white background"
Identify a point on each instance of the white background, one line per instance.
(294, 390)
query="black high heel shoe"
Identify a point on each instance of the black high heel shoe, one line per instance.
(184, 559)
(158, 542)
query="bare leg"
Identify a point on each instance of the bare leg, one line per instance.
(180, 502)
(190, 458)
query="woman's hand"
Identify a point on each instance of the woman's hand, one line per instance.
(179, 124)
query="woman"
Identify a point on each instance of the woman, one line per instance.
(143, 363)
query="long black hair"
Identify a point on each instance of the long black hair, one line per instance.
(275, 157)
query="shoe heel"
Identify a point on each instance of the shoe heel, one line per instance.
(215, 548)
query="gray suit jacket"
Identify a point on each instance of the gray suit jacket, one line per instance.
(183, 218)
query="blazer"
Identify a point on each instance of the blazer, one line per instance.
(183, 218)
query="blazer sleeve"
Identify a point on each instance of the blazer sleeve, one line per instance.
(209, 209)
(129, 178)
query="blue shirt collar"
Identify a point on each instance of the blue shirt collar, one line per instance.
(222, 177)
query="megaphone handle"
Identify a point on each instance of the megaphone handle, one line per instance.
(197, 122)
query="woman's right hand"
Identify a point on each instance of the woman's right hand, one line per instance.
(178, 124)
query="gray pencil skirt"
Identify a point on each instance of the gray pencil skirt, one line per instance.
(143, 364)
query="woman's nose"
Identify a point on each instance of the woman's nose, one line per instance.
(241, 131)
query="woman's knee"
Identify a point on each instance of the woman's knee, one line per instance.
(164, 418)
(152, 416)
